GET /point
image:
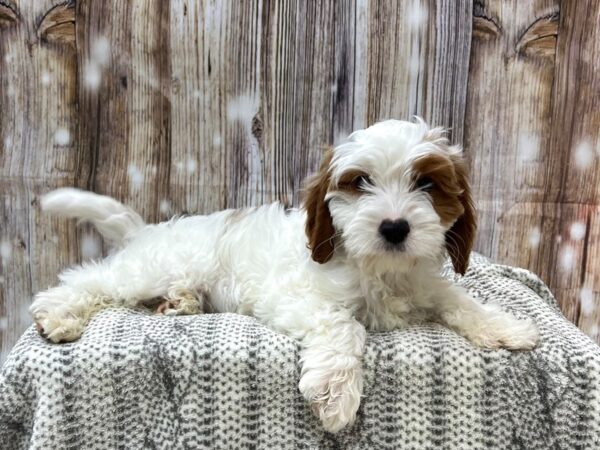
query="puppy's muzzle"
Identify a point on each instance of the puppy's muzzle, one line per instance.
(394, 231)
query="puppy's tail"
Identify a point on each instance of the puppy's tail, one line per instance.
(115, 221)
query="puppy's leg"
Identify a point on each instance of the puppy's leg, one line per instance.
(332, 379)
(61, 312)
(486, 326)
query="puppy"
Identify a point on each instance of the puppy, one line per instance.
(363, 253)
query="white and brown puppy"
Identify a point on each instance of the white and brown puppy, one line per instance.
(364, 253)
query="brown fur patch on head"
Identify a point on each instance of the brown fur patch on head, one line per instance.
(319, 224)
(451, 198)
(351, 181)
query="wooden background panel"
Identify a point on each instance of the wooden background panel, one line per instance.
(197, 105)
(36, 56)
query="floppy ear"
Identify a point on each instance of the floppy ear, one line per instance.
(319, 224)
(460, 237)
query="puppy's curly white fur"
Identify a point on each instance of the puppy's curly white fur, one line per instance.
(364, 252)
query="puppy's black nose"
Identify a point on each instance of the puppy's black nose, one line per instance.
(394, 231)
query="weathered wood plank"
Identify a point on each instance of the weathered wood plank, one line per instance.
(37, 152)
(573, 172)
(507, 127)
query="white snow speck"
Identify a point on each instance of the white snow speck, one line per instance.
(243, 109)
(191, 165)
(567, 257)
(3, 322)
(179, 166)
(92, 75)
(534, 237)
(7, 143)
(90, 246)
(5, 251)
(334, 88)
(577, 231)
(528, 146)
(586, 297)
(165, 207)
(101, 51)
(8, 57)
(136, 177)
(583, 155)
(417, 14)
(197, 93)
(217, 140)
(153, 170)
(62, 136)
(45, 78)
(558, 239)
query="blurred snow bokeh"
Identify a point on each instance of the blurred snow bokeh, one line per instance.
(577, 231)
(417, 14)
(534, 237)
(191, 165)
(243, 109)
(165, 207)
(45, 78)
(586, 298)
(62, 136)
(5, 251)
(136, 177)
(583, 155)
(91, 247)
(566, 259)
(528, 147)
(99, 58)
(217, 140)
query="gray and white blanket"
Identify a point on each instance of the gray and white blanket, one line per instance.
(140, 381)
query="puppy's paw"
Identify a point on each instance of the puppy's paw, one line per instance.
(506, 331)
(334, 396)
(60, 314)
(181, 302)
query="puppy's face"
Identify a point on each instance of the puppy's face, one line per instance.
(394, 193)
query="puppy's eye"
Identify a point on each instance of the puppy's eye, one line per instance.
(425, 184)
(361, 182)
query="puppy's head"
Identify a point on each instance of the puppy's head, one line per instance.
(392, 194)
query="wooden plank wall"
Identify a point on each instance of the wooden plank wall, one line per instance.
(197, 105)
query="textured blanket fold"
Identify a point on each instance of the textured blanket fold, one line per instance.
(139, 381)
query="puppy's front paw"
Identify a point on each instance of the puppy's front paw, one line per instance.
(334, 396)
(506, 331)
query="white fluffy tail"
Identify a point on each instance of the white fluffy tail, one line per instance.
(115, 221)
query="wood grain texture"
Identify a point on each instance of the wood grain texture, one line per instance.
(198, 105)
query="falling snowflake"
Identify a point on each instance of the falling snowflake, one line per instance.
(417, 14)
(577, 231)
(534, 237)
(5, 251)
(243, 109)
(136, 177)
(197, 93)
(101, 51)
(7, 143)
(528, 147)
(217, 140)
(165, 207)
(90, 246)
(9, 57)
(191, 166)
(92, 74)
(62, 136)
(567, 257)
(334, 88)
(583, 155)
(586, 297)
(45, 78)
(558, 239)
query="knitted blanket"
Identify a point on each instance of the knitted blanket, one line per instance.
(140, 381)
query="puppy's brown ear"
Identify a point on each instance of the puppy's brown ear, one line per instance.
(460, 237)
(319, 224)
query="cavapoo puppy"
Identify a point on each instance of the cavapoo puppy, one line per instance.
(363, 253)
